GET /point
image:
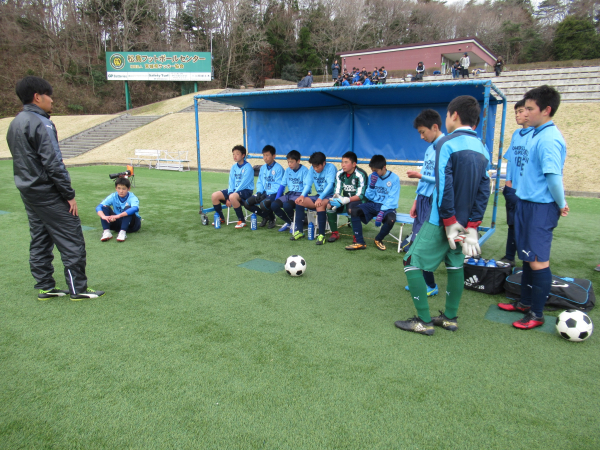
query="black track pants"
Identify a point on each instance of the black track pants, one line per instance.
(52, 225)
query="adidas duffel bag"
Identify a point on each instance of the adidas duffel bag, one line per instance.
(489, 280)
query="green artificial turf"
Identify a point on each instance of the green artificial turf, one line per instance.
(192, 349)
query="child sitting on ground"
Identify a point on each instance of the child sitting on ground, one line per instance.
(120, 212)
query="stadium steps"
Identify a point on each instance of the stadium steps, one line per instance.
(101, 134)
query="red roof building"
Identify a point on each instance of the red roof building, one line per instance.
(432, 54)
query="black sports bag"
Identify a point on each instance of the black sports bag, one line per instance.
(489, 280)
(565, 293)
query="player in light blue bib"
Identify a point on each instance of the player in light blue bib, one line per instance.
(295, 178)
(120, 212)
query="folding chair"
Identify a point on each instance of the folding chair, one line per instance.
(402, 219)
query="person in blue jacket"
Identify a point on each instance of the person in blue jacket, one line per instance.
(120, 212)
(382, 200)
(269, 180)
(241, 186)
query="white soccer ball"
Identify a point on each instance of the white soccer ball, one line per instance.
(295, 265)
(574, 325)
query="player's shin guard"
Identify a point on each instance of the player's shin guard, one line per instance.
(429, 279)
(511, 245)
(321, 220)
(526, 292)
(278, 210)
(239, 213)
(332, 219)
(418, 291)
(541, 282)
(386, 227)
(454, 289)
(299, 224)
(357, 229)
(219, 211)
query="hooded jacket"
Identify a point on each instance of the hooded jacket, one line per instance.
(40, 174)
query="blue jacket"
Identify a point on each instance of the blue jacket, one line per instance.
(386, 191)
(269, 178)
(241, 177)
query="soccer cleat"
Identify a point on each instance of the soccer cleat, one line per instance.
(320, 239)
(89, 293)
(106, 236)
(285, 227)
(296, 236)
(529, 321)
(240, 224)
(122, 236)
(380, 245)
(263, 222)
(445, 323)
(416, 325)
(334, 236)
(51, 293)
(356, 246)
(431, 291)
(508, 261)
(597, 269)
(271, 224)
(514, 306)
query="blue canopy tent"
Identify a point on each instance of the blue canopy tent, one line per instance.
(367, 120)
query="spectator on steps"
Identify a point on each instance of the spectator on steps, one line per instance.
(498, 66)
(465, 62)
(335, 70)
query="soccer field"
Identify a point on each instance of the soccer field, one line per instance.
(190, 350)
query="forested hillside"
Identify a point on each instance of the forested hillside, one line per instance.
(65, 40)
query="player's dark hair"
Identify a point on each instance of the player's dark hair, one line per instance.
(240, 148)
(428, 118)
(317, 158)
(467, 108)
(520, 104)
(543, 97)
(294, 154)
(123, 182)
(351, 156)
(269, 148)
(29, 86)
(377, 162)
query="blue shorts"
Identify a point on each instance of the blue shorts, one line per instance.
(423, 211)
(244, 194)
(314, 198)
(371, 209)
(510, 197)
(289, 197)
(534, 223)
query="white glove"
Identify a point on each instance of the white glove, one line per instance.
(344, 200)
(470, 243)
(455, 233)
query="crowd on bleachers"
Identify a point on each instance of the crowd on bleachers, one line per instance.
(357, 76)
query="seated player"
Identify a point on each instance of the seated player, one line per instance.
(241, 185)
(382, 201)
(269, 180)
(120, 212)
(514, 156)
(322, 174)
(295, 178)
(459, 201)
(429, 124)
(350, 187)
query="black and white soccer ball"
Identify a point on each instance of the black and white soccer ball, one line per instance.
(295, 265)
(574, 325)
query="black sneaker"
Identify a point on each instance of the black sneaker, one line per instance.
(263, 222)
(416, 325)
(90, 293)
(271, 224)
(445, 323)
(51, 293)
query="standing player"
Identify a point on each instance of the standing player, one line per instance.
(45, 186)
(459, 201)
(241, 185)
(541, 203)
(269, 180)
(296, 177)
(350, 187)
(514, 156)
(322, 174)
(382, 195)
(429, 124)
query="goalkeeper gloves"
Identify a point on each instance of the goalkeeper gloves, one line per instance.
(373, 181)
(470, 243)
(455, 232)
(379, 219)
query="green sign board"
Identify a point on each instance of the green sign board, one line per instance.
(158, 66)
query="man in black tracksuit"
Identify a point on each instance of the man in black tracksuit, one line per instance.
(49, 199)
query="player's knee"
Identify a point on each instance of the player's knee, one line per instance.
(390, 219)
(265, 205)
(277, 204)
(357, 212)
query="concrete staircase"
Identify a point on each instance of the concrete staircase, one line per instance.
(94, 137)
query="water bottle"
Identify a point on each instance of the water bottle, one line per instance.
(217, 221)
(253, 222)
(481, 262)
(491, 263)
(471, 261)
(311, 231)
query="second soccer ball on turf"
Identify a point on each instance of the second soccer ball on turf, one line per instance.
(574, 325)
(295, 265)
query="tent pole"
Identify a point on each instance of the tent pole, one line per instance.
(499, 165)
(244, 127)
(198, 154)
